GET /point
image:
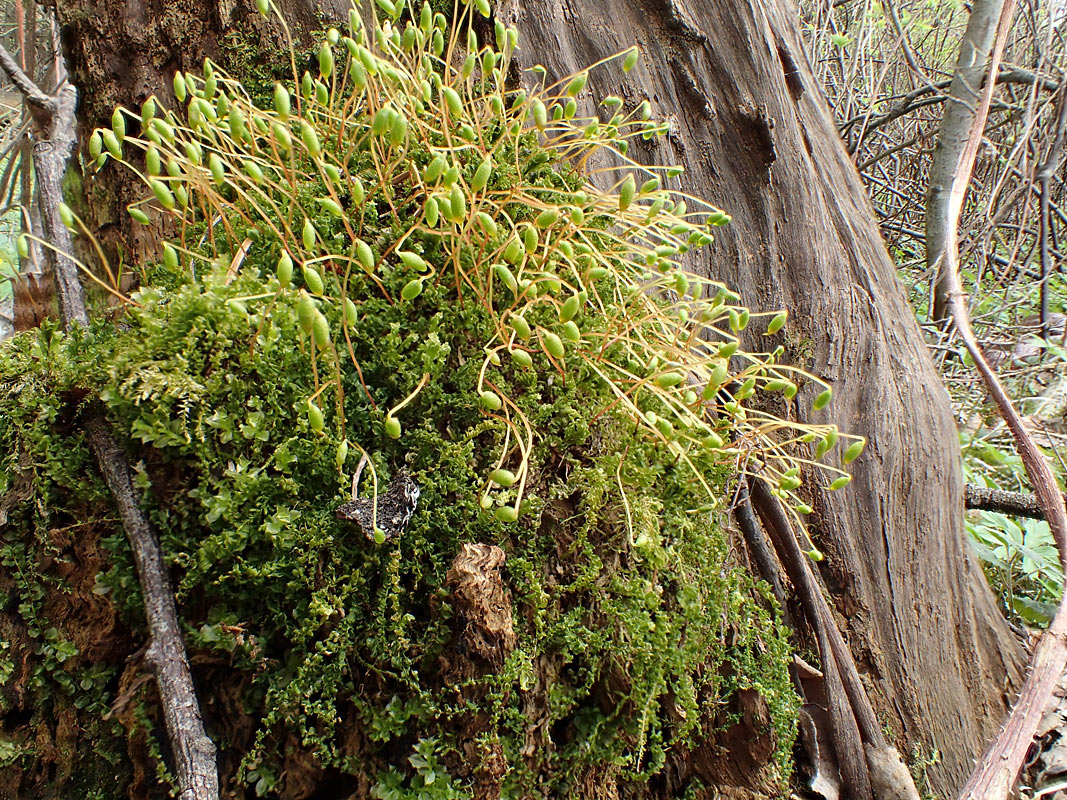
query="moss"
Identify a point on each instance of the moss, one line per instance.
(321, 648)
(322, 620)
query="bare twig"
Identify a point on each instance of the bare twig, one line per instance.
(1013, 503)
(1044, 177)
(194, 753)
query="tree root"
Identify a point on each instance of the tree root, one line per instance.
(870, 766)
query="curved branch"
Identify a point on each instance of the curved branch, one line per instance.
(996, 772)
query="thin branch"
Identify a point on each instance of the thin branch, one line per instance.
(26, 87)
(1016, 504)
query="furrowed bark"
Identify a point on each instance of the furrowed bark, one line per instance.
(749, 126)
(194, 753)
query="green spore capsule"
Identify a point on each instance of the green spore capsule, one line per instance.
(308, 234)
(840, 483)
(668, 379)
(285, 270)
(577, 83)
(547, 218)
(331, 206)
(570, 308)
(452, 101)
(571, 331)
(180, 89)
(392, 427)
(853, 451)
(136, 213)
(482, 175)
(282, 101)
(315, 417)
(351, 312)
(412, 260)
(218, 171)
(507, 277)
(627, 192)
(320, 329)
(118, 124)
(313, 280)
(326, 60)
(170, 257)
(112, 143)
(506, 514)
(365, 255)
(310, 139)
(520, 326)
(777, 322)
(163, 193)
(552, 344)
(305, 311)
(503, 477)
(412, 289)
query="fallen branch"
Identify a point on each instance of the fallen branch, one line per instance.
(1016, 504)
(999, 767)
(194, 753)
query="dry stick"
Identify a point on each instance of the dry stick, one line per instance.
(995, 774)
(1016, 504)
(194, 753)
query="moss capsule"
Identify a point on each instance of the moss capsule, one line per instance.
(285, 269)
(392, 427)
(315, 417)
(320, 329)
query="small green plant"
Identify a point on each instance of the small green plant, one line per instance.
(1020, 556)
(406, 162)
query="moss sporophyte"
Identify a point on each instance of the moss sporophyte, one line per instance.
(401, 259)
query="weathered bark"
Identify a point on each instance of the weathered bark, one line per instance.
(123, 53)
(755, 137)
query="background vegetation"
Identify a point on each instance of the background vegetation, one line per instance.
(886, 67)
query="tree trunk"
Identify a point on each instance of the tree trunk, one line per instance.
(755, 137)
